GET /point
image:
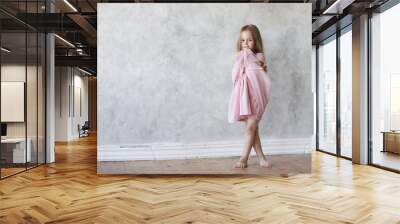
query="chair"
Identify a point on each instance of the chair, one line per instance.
(84, 130)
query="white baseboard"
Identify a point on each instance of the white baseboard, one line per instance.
(172, 151)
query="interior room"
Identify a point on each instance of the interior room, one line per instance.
(153, 111)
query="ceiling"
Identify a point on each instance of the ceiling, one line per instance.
(76, 22)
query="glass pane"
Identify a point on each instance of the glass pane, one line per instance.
(386, 89)
(22, 88)
(41, 98)
(346, 93)
(31, 100)
(13, 89)
(327, 96)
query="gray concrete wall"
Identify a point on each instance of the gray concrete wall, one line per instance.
(164, 71)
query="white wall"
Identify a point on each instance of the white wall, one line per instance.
(70, 83)
(9, 73)
(15, 72)
(79, 117)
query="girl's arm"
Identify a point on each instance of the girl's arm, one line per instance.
(262, 62)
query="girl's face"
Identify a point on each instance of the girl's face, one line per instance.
(246, 40)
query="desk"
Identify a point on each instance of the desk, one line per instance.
(391, 141)
(17, 150)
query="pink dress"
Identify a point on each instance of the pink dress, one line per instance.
(251, 87)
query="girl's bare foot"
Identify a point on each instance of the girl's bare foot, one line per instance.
(264, 163)
(242, 163)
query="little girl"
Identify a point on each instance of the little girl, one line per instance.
(251, 91)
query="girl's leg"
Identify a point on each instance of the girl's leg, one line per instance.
(251, 125)
(260, 154)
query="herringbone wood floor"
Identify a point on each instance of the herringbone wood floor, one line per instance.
(70, 191)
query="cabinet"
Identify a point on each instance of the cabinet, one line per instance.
(391, 142)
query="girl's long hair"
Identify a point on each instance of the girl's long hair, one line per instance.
(255, 33)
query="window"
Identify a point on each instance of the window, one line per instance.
(327, 96)
(385, 88)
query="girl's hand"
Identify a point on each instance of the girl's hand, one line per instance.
(262, 64)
